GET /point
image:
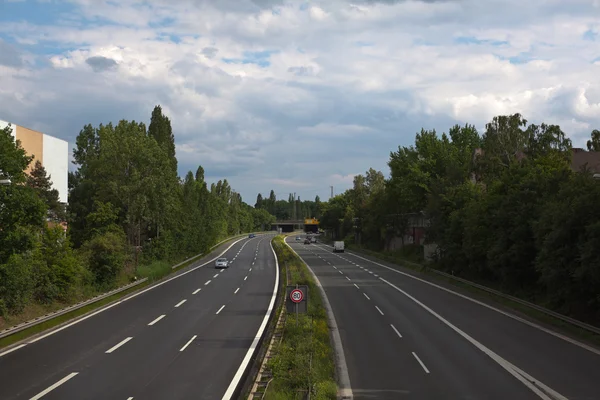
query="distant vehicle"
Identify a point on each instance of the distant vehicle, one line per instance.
(251, 235)
(298, 238)
(307, 241)
(338, 247)
(221, 263)
(314, 239)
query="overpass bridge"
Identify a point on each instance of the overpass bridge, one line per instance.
(308, 225)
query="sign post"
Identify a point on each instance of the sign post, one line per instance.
(296, 300)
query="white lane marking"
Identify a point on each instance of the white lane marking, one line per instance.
(368, 298)
(116, 346)
(395, 330)
(348, 278)
(246, 277)
(215, 276)
(378, 309)
(51, 388)
(334, 267)
(196, 291)
(126, 298)
(516, 318)
(356, 286)
(13, 349)
(341, 272)
(521, 375)
(156, 320)
(188, 343)
(420, 362)
(207, 282)
(130, 398)
(252, 264)
(250, 269)
(376, 276)
(236, 290)
(222, 307)
(180, 303)
(240, 372)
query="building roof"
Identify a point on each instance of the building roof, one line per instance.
(589, 159)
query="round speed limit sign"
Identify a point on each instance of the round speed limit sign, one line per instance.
(296, 295)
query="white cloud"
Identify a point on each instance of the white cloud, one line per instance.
(279, 94)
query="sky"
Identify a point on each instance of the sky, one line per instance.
(298, 96)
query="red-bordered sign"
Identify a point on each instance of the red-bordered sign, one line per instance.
(296, 295)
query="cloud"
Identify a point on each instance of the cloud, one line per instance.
(101, 64)
(298, 96)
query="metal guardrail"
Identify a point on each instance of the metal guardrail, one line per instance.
(22, 326)
(38, 320)
(564, 318)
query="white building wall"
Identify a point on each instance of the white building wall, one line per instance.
(56, 162)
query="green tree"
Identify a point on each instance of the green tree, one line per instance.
(40, 181)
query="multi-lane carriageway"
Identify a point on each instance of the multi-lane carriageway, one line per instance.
(191, 337)
(406, 338)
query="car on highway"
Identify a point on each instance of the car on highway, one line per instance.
(307, 241)
(298, 238)
(251, 235)
(222, 263)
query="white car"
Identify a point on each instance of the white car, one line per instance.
(222, 263)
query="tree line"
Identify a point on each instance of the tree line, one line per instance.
(129, 215)
(291, 209)
(514, 208)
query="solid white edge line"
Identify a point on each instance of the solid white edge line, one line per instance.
(379, 309)
(197, 290)
(13, 349)
(240, 372)
(126, 298)
(188, 343)
(180, 303)
(156, 320)
(510, 368)
(207, 282)
(395, 330)
(236, 290)
(116, 346)
(345, 387)
(51, 388)
(420, 362)
(506, 314)
(222, 307)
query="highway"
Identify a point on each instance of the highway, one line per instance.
(189, 338)
(406, 338)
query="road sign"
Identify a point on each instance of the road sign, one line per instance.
(296, 299)
(296, 295)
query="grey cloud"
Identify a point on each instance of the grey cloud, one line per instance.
(302, 71)
(100, 63)
(210, 52)
(9, 56)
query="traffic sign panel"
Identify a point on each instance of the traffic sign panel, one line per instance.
(296, 295)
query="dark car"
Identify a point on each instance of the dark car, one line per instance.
(251, 235)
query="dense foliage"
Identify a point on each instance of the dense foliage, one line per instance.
(292, 209)
(127, 210)
(507, 208)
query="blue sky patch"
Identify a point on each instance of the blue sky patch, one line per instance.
(474, 40)
(260, 58)
(590, 35)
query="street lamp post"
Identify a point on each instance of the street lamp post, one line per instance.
(4, 180)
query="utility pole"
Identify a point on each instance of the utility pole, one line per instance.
(331, 192)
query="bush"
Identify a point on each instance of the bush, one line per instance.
(106, 254)
(154, 271)
(16, 284)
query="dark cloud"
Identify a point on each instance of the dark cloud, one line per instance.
(9, 56)
(101, 64)
(210, 52)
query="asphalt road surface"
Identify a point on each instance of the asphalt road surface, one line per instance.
(185, 339)
(405, 338)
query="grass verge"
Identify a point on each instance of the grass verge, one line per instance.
(154, 272)
(487, 297)
(304, 360)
